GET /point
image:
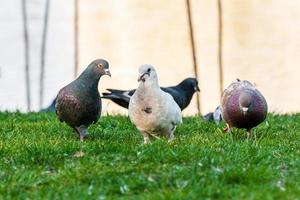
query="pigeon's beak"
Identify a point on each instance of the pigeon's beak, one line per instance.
(142, 78)
(196, 88)
(245, 110)
(107, 72)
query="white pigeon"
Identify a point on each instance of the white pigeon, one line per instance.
(153, 111)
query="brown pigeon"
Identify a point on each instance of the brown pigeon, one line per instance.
(243, 106)
(77, 104)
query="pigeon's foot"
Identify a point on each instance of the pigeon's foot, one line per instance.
(79, 154)
(81, 138)
(146, 138)
(227, 129)
(171, 137)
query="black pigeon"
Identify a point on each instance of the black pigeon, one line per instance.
(79, 104)
(182, 93)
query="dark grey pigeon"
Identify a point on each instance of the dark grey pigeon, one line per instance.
(182, 93)
(215, 116)
(79, 104)
(50, 108)
(243, 106)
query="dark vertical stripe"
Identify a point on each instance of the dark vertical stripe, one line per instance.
(220, 45)
(191, 30)
(76, 37)
(26, 51)
(43, 52)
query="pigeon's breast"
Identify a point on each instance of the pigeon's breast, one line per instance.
(76, 111)
(234, 116)
(147, 113)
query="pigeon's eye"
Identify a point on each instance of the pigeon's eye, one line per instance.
(99, 65)
(148, 70)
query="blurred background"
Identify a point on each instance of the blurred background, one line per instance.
(45, 44)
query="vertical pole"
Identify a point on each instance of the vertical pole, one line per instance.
(193, 49)
(43, 52)
(26, 50)
(220, 45)
(76, 37)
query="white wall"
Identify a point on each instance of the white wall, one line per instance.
(261, 44)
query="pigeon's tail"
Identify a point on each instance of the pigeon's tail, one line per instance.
(119, 97)
(50, 108)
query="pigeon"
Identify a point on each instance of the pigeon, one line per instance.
(182, 93)
(50, 108)
(78, 104)
(215, 116)
(153, 111)
(243, 106)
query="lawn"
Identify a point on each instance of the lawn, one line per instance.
(38, 160)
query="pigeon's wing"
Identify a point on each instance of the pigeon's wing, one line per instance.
(209, 116)
(120, 97)
(247, 84)
(173, 110)
(217, 116)
(227, 93)
(74, 112)
(177, 95)
(67, 107)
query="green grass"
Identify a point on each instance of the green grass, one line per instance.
(37, 160)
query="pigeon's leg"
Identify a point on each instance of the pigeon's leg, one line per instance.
(146, 138)
(76, 131)
(83, 131)
(227, 128)
(249, 134)
(171, 135)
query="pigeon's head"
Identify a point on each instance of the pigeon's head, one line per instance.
(98, 68)
(245, 102)
(102, 67)
(190, 84)
(147, 74)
